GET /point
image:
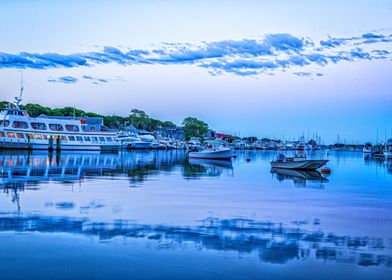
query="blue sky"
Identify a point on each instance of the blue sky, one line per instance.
(264, 68)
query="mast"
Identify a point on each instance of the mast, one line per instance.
(18, 99)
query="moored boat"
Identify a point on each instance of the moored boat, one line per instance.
(213, 153)
(368, 148)
(297, 162)
(20, 131)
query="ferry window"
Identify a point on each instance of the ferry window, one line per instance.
(2, 134)
(56, 127)
(46, 136)
(102, 139)
(38, 136)
(20, 135)
(10, 134)
(71, 127)
(39, 126)
(64, 138)
(71, 138)
(4, 123)
(94, 139)
(87, 138)
(18, 124)
(79, 138)
(109, 139)
(29, 136)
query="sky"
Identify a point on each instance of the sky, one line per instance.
(277, 68)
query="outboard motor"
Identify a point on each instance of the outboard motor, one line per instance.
(281, 157)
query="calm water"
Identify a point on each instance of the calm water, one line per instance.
(157, 215)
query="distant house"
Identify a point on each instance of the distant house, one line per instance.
(132, 129)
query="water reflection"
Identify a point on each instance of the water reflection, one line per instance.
(17, 170)
(273, 242)
(300, 177)
(379, 162)
(194, 168)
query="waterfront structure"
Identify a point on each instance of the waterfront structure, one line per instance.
(20, 131)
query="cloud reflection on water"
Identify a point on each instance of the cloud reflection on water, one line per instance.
(276, 243)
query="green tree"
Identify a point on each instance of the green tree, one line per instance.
(115, 121)
(5, 104)
(194, 127)
(35, 110)
(168, 124)
(141, 120)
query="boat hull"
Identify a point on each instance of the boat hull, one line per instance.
(300, 164)
(311, 175)
(65, 147)
(225, 154)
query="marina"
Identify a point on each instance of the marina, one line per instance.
(232, 218)
(206, 140)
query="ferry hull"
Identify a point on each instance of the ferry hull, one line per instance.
(65, 147)
(300, 164)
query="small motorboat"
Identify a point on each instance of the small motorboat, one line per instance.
(368, 148)
(213, 153)
(297, 162)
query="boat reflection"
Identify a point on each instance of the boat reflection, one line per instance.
(196, 168)
(379, 162)
(300, 177)
(272, 242)
(27, 170)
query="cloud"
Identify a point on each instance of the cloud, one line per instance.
(303, 74)
(64, 79)
(246, 57)
(332, 42)
(95, 80)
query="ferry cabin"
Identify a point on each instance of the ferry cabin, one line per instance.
(20, 131)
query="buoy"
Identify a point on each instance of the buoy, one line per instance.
(248, 159)
(325, 170)
(234, 156)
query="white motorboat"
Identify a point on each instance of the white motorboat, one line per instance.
(368, 148)
(213, 153)
(297, 162)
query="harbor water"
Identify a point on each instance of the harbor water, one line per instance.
(160, 215)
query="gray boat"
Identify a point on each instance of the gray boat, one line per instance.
(297, 162)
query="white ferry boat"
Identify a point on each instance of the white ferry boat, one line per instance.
(20, 131)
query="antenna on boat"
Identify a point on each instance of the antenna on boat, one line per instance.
(19, 98)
